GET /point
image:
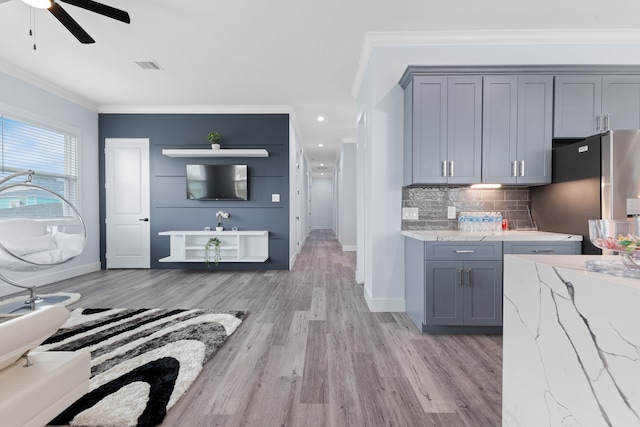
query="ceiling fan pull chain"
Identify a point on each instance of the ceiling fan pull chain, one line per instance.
(34, 30)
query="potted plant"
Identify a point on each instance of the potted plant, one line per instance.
(214, 139)
(215, 242)
(221, 215)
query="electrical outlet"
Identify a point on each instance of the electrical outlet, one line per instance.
(410, 214)
(451, 212)
(275, 198)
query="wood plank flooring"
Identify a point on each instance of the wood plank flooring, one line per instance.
(310, 353)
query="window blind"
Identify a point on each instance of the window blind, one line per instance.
(50, 152)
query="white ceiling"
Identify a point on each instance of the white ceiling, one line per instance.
(302, 56)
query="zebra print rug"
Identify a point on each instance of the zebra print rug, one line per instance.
(142, 361)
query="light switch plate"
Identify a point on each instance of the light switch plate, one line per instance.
(451, 212)
(275, 198)
(410, 214)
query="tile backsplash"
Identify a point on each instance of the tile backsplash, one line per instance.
(432, 203)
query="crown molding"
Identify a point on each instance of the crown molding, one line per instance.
(196, 109)
(487, 37)
(16, 73)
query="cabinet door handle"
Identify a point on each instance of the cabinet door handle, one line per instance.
(514, 168)
(521, 167)
(469, 277)
(598, 120)
(543, 251)
(451, 168)
(464, 251)
(606, 122)
(460, 277)
(444, 168)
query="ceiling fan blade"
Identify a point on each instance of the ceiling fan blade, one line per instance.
(102, 9)
(71, 25)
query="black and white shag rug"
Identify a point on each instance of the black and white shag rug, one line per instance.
(142, 361)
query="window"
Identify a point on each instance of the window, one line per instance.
(50, 152)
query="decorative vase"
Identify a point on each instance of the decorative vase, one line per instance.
(219, 228)
(215, 146)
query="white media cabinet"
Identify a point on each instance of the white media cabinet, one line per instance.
(237, 246)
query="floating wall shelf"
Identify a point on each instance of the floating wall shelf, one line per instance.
(216, 153)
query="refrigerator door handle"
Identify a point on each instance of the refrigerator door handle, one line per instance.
(521, 167)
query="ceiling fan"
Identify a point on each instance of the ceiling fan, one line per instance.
(70, 23)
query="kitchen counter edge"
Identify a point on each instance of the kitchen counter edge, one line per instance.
(511, 235)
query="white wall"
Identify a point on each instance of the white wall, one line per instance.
(19, 97)
(379, 100)
(322, 203)
(346, 213)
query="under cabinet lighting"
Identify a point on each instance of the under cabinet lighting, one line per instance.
(486, 186)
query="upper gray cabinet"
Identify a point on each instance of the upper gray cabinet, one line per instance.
(443, 130)
(590, 104)
(517, 129)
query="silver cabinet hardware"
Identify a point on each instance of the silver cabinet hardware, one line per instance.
(464, 251)
(451, 168)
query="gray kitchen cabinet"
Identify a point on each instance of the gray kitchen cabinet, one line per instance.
(517, 129)
(443, 130)
(454, 287)
(542, 248)
(591, 104)
(463, 293)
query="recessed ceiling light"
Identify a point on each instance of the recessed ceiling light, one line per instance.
(321, 164)
(321, 118)
(320, 145)
(322, 174)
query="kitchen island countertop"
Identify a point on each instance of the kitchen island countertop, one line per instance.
(510, 235)
(571, 343)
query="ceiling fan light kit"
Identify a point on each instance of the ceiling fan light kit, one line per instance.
(70, 23)
(40, 4)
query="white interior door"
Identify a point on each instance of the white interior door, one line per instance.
(127, 198)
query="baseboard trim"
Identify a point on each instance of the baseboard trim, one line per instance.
(389, 305)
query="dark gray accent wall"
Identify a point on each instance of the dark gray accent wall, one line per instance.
(170, 209)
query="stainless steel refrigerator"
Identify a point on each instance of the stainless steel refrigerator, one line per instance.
(591, 179)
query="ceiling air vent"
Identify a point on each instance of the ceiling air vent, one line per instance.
(148, 65)
(322, 168)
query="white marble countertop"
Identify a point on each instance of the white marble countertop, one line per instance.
(570, 343)
(577, 263)
(510, 235)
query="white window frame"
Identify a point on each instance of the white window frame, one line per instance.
(51, 125)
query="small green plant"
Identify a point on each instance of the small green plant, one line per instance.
(215, 242)
(214, 138)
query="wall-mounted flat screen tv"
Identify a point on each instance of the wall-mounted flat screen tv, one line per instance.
(217, 182)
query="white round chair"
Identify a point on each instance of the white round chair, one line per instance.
(39, 229)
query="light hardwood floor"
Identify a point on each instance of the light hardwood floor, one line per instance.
(310, 353)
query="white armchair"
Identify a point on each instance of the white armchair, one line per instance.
(36, 386)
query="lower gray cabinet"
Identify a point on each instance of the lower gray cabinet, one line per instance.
(543, 248)
(454, 287)
(463, 293)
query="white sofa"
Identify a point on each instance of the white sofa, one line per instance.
(33, 395)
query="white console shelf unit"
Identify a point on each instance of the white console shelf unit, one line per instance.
(224, 152)
(236, 246)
